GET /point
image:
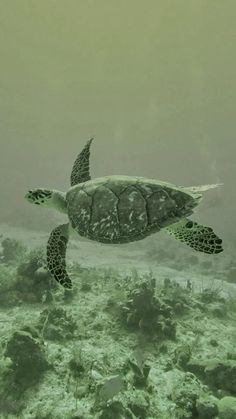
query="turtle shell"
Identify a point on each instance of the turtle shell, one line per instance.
(121, 209)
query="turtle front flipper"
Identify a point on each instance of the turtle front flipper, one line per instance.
(56, 254)
(80, 170)
(198, 237)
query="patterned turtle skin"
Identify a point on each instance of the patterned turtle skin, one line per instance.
(122, 209)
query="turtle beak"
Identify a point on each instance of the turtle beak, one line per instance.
(28, 196)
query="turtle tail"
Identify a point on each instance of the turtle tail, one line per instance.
(202, 188)
(196, 191)
(56, 254)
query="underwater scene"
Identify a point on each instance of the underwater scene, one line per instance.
(117, 210)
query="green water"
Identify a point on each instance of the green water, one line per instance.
(149, 328)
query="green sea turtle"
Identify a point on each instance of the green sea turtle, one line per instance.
(121, 209)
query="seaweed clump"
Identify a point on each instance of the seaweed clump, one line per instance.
(8, 295)
(177, 297)
(27, 281)
(213, 302)
(56, 324)
(12, 250)
(147, 311)
(34, 281)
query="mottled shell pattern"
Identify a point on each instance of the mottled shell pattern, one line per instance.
(120, 209)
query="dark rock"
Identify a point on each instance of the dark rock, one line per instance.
(231, 355)
(196, 367)
(227, 408)
(207, 407)
(221, 374)
(213, 342)
(28, 359)
(217, 374)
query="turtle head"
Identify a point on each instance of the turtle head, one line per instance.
(47, 198)
(39, 196)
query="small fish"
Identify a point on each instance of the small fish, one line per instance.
(111, 387)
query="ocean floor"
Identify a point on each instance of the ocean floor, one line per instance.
(148, 331)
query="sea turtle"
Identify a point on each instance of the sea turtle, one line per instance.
(121, 209)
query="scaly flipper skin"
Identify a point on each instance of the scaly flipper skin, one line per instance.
(56, 253)
(198, 237)
(80, 170)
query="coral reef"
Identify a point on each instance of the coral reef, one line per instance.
(119, 346)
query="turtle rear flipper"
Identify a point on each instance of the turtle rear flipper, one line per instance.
(198, 237)
(56, 253)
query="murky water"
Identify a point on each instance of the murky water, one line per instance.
(148, 330)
